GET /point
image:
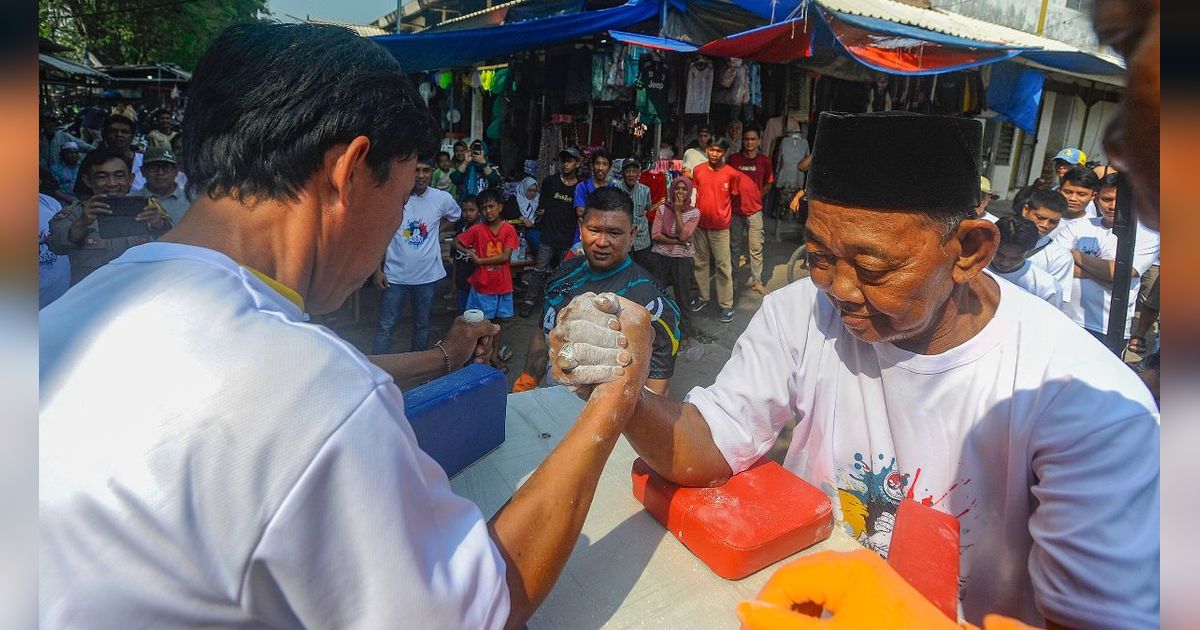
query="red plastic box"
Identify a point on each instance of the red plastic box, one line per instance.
(763, 515)
(924, 551)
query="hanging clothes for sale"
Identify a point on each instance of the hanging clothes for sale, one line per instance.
(699, 87)
(756, 96)
(733, 84)
(792, 148)
(652, 89)
(632, 64)
(579, 78)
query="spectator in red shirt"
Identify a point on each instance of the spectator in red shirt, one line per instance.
(716, 185)
(490, 245)
(747, 208)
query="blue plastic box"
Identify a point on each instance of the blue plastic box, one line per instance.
(459, 418)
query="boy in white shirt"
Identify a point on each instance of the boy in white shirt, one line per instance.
(1018, 237)
(1045, 208)
(1093, 247)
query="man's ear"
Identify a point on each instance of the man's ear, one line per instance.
(978, 240)
(345, 163)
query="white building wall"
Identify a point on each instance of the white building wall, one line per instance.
(1073, 26)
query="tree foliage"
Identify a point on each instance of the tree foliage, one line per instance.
(142, 31)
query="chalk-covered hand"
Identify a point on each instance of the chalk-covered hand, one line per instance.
(587, 345)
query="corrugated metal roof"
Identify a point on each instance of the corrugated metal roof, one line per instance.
(953, 24)
(491, 9)
(362, 30)
(70, 67)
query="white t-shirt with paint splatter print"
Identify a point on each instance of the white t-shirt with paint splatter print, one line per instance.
(1037, 437)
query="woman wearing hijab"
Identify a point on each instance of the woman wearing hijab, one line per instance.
(475, 174)
(671, 231)
(521, 208)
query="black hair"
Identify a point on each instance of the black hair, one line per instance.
(720, 143)
(1109, 181)
(752, 127)
(1021, 197)
(1050, 199)
(601, 154)
(268, 100)
(630, 162)
(101, 155)
(609, 199)
(427, 159)
(441, 153)
(1018, 231)
(120, 119)
(487, 194)
(1080, 176)
(703, 128)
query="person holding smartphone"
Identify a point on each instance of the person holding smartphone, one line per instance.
(475, 174)
(77, 230)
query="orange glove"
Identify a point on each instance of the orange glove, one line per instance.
(857, 588)
(524, 383)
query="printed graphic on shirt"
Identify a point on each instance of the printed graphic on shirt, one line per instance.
(45, 254)
(415, 233)
(870, 493)
(1089, 245)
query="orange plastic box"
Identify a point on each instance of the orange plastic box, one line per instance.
(763, 515)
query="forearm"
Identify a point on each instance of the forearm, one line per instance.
(77, 232)
(674, 439)
(498, 259)
(1098, 269)
(538, 528)
(538, 357)
(411, 369)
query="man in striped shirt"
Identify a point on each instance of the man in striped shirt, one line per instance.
(631, 171)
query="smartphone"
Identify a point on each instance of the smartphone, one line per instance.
(121, 222)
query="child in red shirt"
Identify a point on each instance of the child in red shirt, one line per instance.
(490, 245)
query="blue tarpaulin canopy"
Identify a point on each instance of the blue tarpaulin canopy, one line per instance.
(653, 41)
(430, 51)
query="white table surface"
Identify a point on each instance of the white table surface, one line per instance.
(626, 571)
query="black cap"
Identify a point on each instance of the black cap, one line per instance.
(897, 161)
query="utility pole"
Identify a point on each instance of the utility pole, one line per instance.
(1041, 25)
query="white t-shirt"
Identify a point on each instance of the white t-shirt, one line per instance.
(54, 270)
(210, 459)
(1062, 225)
(1093, 300)
(1036, 281)
(415, 254)
(699, 87)
(1032, 433)
(1056, 261)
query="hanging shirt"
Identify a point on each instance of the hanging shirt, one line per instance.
(699, 87)
(792, 149)
(1036, 281)
(1041, 442)
(1091, 302)
(252, 469)
(714, 194)
(491, 279)
(1056, 261)
(414, 255)
(652, 90)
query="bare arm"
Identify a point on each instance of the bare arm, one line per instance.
(674, 439)
(536, 531)
(498, 259)
(465, 342)
(1098, 269)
